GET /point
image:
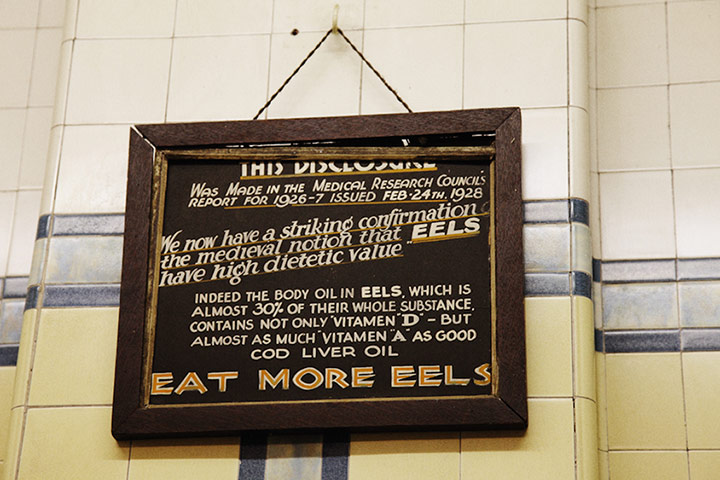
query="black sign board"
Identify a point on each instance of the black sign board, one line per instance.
(295, 275)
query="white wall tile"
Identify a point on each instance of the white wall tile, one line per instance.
(16, 54)
(45, 67)
(504, 10)
(545, 153)
(694, 41)
(316, 15)
(70, 23)
(579, 9)
(328, 84)
(223, 17)
(62, 82)
(637, 215)
(578, 63)
(407, 13)
(633, 128)
(35, 147)
(620, 3)
(595, 226)
(632, 48)
(697, 202)
(52, 13)
(218, 78)
(694, 124)
(428, 76)
(23, 232)
(93, 170)
(7, 210)
(118, 81)
(516, 64)
(579, 153)
(12, 126)
(52, 166)
(18, 13)
(128, 18)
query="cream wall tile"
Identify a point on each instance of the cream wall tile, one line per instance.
(693, 127)
(702, 389)
(637, 215)
(52, 165)
(18, 13)
(84, 259)
(411, 456)
(12, 127)
(98, 153)
(600, 379)
(129, 18)
(578, 62)
(545, 153)
(16, 54)
(17, 416)
(406, 13)
(118, 81)
(633, 128)
(584, 349)
(316, 15)
(62, 82)
(46, 61)
(579, 154)
(327, 85)
(523, 72)
(25, 357)
(294, 456)
(704, 465)
(592, 48)
(430, 81)
(693, 27)
(640, 305)
(655, 465)
(23, 233)
(548, 330)
(7, 381)
(52, 13)
(586, 433)
(88, 450)
(68, 338)
(503, 11)
(182, 459)
(70, 23)
(620, 3)
(603, 466)
(35, 147)
(632, 48)
(205, 85)
(223, 17)
(595, 215)
(644, 402)
(546, 449)
(580, 9)
(697, 201)
(7, 212)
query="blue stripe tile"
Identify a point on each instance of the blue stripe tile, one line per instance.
(43, 228)
(701, 340)
(638, 271)
(579, 211)
(253, 452)
(8, 355)
(15, 287)
(106, 224)
(642, 341)
(107, 295)
(582, 284)
(597, 269)
(547, 284)
(599, 341)
(698, 268)
(336, 450)
(552, 211)
(32, 297)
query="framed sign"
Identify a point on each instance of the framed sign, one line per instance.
(355, 273)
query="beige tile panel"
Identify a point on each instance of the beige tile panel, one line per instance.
(74, 359)
(645, 401)
(25, 357)
(586, 442)
(411, 456)
(545, 451)
(549, 346)
(7, 380)
(71, 444)
(702, 390)
(584, 348)
(651, 465)
(704, 465)
(15, 431)
(601, 401)
(185, 459)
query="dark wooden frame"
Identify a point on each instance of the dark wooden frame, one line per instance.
(507, 408)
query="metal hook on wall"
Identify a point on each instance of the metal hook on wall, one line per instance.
(336, 9)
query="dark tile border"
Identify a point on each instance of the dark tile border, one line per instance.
(43, 229)
(701, 340)
(335, 454)
(642, 341)
(8, 355)
(557, 211)
(100, 295)
(31, 299)
(15, 287)
(638, 271)
(558, 284)
(253, 452)
(100, 224)
(698, 269)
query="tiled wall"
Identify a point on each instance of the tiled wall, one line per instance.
(179, 60)
(656, 170)
(30, 32)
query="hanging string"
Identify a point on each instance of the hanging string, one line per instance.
(312, 52)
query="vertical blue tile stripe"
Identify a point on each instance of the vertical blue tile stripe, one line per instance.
(582, 284)
(253, 453)
(599, 341)
(32, 297)
(8, 355)
(43, 227)
(579, 211)
(336, 450)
